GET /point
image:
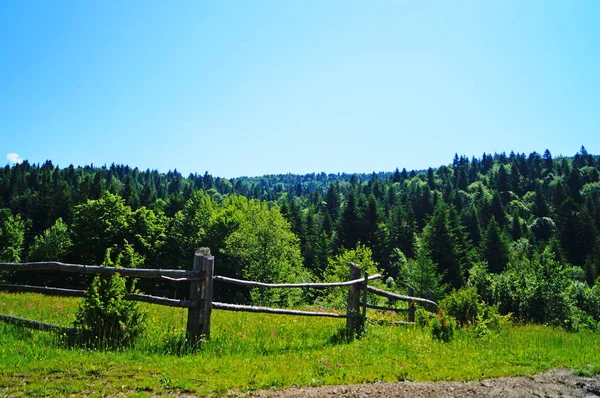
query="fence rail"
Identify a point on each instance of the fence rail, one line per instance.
(99, 270)
(279, 311)
(200, 301)
(293, 285)
(36, 325)
(55, 291)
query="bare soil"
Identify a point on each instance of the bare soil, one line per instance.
(553, 383)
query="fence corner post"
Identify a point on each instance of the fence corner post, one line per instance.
(201, 292)
(354, 322)
(411, 305)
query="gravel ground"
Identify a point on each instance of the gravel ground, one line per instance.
(554, 383)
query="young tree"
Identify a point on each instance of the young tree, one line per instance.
(495, 250)
(267, 251)
(12, 231)
(53, 245)
(422, 274)
(349, 230)
(98, 225)
(440, 241)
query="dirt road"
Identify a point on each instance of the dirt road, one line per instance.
(554, 383)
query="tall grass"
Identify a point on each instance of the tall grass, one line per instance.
(255, 351)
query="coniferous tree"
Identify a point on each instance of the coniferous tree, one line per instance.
(495, 250)
(497, 210)
(548, 163)
(540, 207)
(473, 228)
(348, 231)
(441, 244)
(516, 230)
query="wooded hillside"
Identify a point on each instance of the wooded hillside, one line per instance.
(521, 229)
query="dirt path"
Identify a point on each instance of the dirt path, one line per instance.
(554, 383)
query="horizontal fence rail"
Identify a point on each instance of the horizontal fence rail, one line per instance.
(35, 325)
(50, 291)
(378, 307)
(279, 311)
(55, 291)
(293, 285)
(99, 270)
(395, 296)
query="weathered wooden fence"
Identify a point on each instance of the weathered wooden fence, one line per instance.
(200, 301)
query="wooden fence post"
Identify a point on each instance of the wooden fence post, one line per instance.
(411, 305)
(354, 320)
(201, 293)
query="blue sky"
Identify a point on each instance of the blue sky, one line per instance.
(267, 87)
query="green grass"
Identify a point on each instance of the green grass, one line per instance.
(256, 351)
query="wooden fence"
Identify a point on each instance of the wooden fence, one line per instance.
(200, 301)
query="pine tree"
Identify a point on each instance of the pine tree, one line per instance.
(497, 210)
(548, 164)
(540, 207)
(516, 231)
(495, 250)
(348, 231)
(441, 243)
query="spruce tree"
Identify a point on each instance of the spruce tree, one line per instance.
(495, 250)
(439, 240)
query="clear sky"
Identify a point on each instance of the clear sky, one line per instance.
(257, 87)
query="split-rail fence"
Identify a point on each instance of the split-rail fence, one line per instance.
(200, 300)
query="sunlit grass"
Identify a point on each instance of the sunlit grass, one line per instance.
(254, 351)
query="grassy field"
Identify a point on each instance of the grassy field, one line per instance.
(256, 351)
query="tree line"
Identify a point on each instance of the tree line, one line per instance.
(518, 228)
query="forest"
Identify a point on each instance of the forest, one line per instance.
(519, 232)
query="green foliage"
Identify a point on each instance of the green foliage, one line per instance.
(443, 327)
(338, 270)
(543, 228)
(489, 322)
(443, 246)
(188, 228)
(12, 231)
(495, 250)
(468, 310)
(449, 222)
(105, 317)
(464, 305)
(421, 273)
(534, 289)
(481, 279)
(53, 245)
(98, 225)
(265, 249)
(423, 318)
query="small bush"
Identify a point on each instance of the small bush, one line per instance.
(105, 317)
(464, 305)
(423, 318)
(443, 327)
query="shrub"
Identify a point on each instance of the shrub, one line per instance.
(104, 316)
(423, 318)
(443, 327)
(463, 304)
(535, 289)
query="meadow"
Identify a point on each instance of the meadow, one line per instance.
(258, 351)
